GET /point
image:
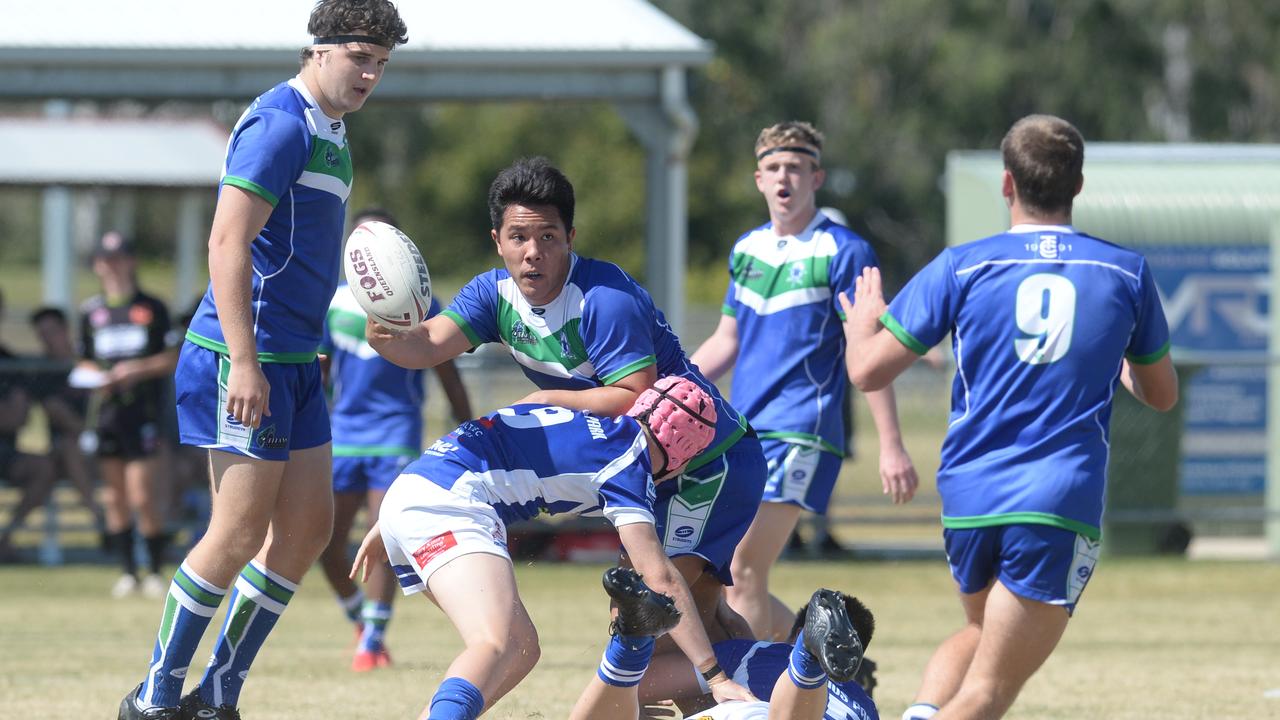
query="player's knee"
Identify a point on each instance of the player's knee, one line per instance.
(237, 544)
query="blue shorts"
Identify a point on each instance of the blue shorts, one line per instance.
(800, 475)
(1038, 562)
(706, 512)
(299, 418)
(367, 473)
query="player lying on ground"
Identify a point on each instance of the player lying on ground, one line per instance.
(792, 679)
(443, 524)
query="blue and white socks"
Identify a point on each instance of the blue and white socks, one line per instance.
(625, 660)
(920, 711)
(351, 605)
(190, 605)
(456, 699)
(375, 616)
(259, 599)
(804, 669)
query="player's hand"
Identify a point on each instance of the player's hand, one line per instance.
(898, 474)
(248, 393)
(378, 336)
(862, 315)
(372, 552)
(726, 690)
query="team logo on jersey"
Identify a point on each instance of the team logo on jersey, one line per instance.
(1049, 247)
(782, 243)
(330, 157)
(520, 333)
(565, 349)
(795, 275)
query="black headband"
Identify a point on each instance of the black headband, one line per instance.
(802, 149)
(344, 39)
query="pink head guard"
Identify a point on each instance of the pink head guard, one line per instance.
(681, 416)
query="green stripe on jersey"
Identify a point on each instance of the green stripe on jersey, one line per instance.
(808, 440)
(252, 187)
(562, 346)
(770, 281)
(374, 451)
(892, 325)
(464, 326)
(1021, 518)
(1149, 358)
(222, 349)
(634, 367)
(329, 159)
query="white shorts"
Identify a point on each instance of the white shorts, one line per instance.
(425, 526)
(735, 711)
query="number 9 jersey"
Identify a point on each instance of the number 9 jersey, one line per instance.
(1040, 319)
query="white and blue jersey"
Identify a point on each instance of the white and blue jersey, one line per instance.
(783, 292)
(285, 150)
(377, 405)
(601, 328)
(527, 460)
(758, 665)
(1040, 318)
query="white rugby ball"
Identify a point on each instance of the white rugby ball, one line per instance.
(387, 275)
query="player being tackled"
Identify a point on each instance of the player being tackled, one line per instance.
(829, 634)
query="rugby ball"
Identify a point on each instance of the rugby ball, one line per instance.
(387, 275)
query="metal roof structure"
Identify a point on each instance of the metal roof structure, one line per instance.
(1137, 193)
(621, 51)
(141, 153)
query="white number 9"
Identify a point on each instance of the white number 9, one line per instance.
(537, 417)
(1046, 310)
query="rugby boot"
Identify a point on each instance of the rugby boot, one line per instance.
(642, 612)
(129, 709)
(829, 636)
(193, 708)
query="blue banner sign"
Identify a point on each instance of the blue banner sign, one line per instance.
(1217, 302)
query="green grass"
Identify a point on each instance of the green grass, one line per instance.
(1169, 639)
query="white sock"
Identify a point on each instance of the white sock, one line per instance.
(920, 711)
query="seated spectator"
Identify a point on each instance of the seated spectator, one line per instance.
(65, 407)
(33, 473)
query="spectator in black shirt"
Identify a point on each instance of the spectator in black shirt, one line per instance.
(126, 335)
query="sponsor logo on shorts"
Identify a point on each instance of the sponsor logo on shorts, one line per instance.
(433, 547)
(269, 439)
(684, 531)
(179, 673)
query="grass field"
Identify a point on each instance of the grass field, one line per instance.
(1165, 639)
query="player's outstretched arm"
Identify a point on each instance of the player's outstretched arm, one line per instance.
(425, 346)
(718, 353)
(647, 557)
(607, 400)
(1155, 384)
(237, 219)
(873, 356)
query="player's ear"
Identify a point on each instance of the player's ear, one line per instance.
(1007, 187)
(573, 233)
(1079, 186)
(819, 177)
(497, 243)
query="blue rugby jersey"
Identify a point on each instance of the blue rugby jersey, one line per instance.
(789, 374)
(1040, 319)
(377, 405)
(288, 152)
(758, 665)
(601, 328)
(526, 460)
